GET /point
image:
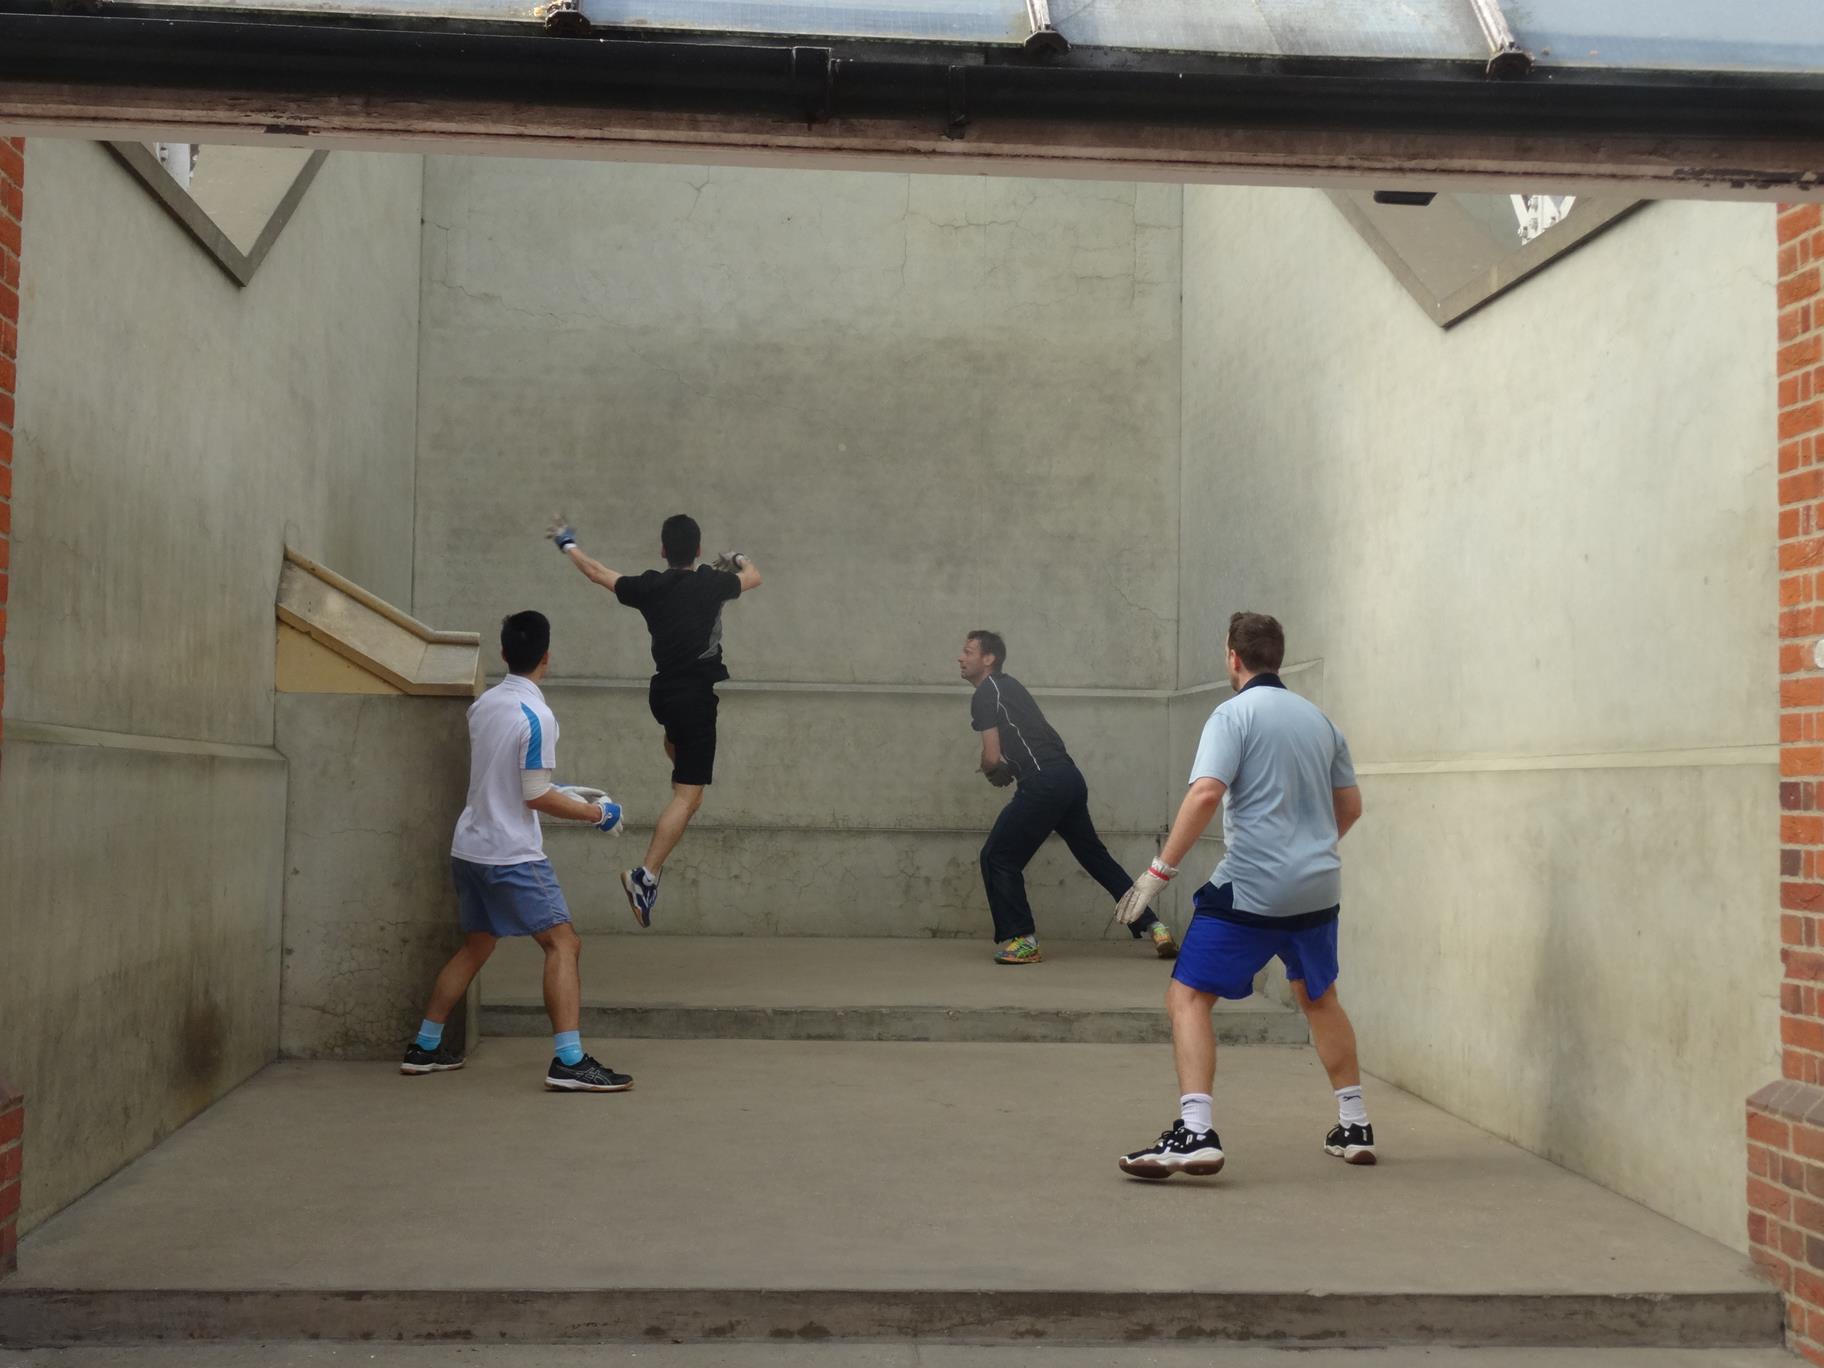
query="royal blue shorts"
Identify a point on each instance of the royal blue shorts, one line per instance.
(1222, 957)
(508, 900)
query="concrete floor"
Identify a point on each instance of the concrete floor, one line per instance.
(874, 1356)
(823, 988)
(803, 971)
(759, 1164)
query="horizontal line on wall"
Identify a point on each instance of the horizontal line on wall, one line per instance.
(1703, 757)
(957, 690)
(846, 829)
(53, 734)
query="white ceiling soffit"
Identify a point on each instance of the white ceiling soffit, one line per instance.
(1754, 35)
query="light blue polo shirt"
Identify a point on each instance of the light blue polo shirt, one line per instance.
(1281, 759)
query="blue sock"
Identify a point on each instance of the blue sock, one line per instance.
(569, 1046)
(430, 1034)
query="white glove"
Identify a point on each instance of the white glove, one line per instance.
(1137, 899)
(732, 561)
(560, 532)
(610, 819)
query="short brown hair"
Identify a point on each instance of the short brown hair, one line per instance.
(991, 644)
(1259, 640)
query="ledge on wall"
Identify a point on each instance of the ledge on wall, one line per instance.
(335, 637)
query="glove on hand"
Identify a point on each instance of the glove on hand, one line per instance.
(1000, 775)
(609, 819)
(1137, 899)
(731, 561)
(560, 532)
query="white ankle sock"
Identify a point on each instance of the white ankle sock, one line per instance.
(1350, 1109)
(1194, 1108)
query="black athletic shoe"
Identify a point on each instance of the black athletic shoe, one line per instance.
(420, 1061)
(1351, 1144)
(586, 1075)
(1179, 1151)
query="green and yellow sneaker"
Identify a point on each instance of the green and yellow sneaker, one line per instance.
(1164, 945)
(1019, 950)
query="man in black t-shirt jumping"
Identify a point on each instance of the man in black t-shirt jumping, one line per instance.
(682, 605)
(1019, 745)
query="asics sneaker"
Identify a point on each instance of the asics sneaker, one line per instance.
(642, 891)
(586, 1075)
(421, 1061)
(1019, 950)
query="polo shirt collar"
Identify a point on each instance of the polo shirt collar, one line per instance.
(1266, 679)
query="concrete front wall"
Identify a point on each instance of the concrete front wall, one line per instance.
(925, 404)
(876, 831)
(174, 431)
(1530, 554)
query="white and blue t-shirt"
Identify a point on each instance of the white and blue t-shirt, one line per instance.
(1282, 761)
(511, 731)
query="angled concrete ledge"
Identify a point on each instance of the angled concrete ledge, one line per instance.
(342, 617)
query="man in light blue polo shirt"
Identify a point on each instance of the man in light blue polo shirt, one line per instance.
(1292, 796)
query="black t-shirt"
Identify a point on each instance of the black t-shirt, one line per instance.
(683, 611)
(1028, 743)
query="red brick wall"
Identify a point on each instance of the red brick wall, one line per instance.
(12, 1154)
(1786, 1119)
(12, 215)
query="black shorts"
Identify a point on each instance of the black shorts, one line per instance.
(686, 708)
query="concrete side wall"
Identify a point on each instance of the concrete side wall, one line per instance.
(1531, 556)
(925, 404)
(174, 431)
(376, 786)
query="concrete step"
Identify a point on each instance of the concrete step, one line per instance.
(813, 988)
(916, 1355)
(780, 1192)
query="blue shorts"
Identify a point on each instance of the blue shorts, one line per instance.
(508, 900)
(1222, 957)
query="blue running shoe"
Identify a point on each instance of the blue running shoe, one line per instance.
(642, 891)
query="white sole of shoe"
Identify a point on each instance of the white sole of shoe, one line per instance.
(1351, 1154)
(427, 1068)
(571, 1085)
(1203, 1164)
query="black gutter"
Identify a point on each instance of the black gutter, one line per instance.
(817, 78)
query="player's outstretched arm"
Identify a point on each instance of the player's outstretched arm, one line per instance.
(1193, 819)
(563, 535)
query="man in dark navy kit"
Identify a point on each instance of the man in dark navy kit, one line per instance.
(1020, 747)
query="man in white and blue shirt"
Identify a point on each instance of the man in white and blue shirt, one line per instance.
(1292, 795)
(504, 883)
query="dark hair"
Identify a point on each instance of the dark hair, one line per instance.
(524, 640)
(1259, 640)
(991, 644)
(681, 538)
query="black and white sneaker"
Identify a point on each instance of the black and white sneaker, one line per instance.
(1351, 1144)
(421, 1061)
(1179, 1150)
(586, 1075)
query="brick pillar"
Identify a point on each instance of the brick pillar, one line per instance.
(12, 1155)
(1786, 1118)
(12, 215)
